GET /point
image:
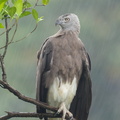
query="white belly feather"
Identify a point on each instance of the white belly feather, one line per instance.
(61, 92)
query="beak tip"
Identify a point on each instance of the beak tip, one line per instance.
(57, 22)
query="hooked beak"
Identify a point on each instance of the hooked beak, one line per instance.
(57, 22)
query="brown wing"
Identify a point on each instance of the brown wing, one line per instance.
(82, 101)
(44, 59)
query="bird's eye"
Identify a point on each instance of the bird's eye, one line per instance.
(67, 19)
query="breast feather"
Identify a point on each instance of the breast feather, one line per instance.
(62, 92)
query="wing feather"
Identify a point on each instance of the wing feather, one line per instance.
(44, 59)
(82, 101)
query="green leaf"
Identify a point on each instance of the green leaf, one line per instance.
(2, 2)
(4, 11)
(19, 5)
(1, 25)
(35, 14)
(12, 11)
(40, 19)
(26, 4)
(6, 7)
(45, 2)
(13, 1)
(25, 14)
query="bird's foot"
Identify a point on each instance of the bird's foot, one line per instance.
(64, 110)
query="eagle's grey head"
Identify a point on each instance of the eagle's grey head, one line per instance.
(68, 22)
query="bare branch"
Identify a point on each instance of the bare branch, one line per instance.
(26, 99)
(16, 26)
(4, 76)
(26, 35)
(5, 45)
(21, 38)
(7, 38)
(39, 5)
(9, 28)
(36, 4)
(21, 114)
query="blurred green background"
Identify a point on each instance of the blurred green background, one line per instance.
(100, 32)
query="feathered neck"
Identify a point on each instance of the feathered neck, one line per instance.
(62, 32)
(73, 29)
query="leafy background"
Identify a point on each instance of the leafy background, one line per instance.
(100, 32)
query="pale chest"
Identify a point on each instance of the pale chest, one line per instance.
(61, 92)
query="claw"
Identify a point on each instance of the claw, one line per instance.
(64, 110)
(70, 118)
(56, 113)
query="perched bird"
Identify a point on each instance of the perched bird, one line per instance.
(63, 71)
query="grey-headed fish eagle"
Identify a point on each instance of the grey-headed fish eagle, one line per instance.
(63, 71)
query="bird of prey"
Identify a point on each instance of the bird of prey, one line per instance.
(63, 71)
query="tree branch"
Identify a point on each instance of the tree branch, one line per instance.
(7, 38)
(9, 115)
(5, 85)
(4, 76)
(21, 114)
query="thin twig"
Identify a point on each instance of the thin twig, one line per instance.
(16, 26)
(41, 5)
(26, 35)
(36, 4)
(7, 38)
(5, 45)
(11, 41)
(9, 28)
(21, 38)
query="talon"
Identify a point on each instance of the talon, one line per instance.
(71, 118)
(56, 113)
(64, 110)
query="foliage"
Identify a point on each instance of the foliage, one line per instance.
(1, 26)
(35, 16)
(18, 9)
(45, 2)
